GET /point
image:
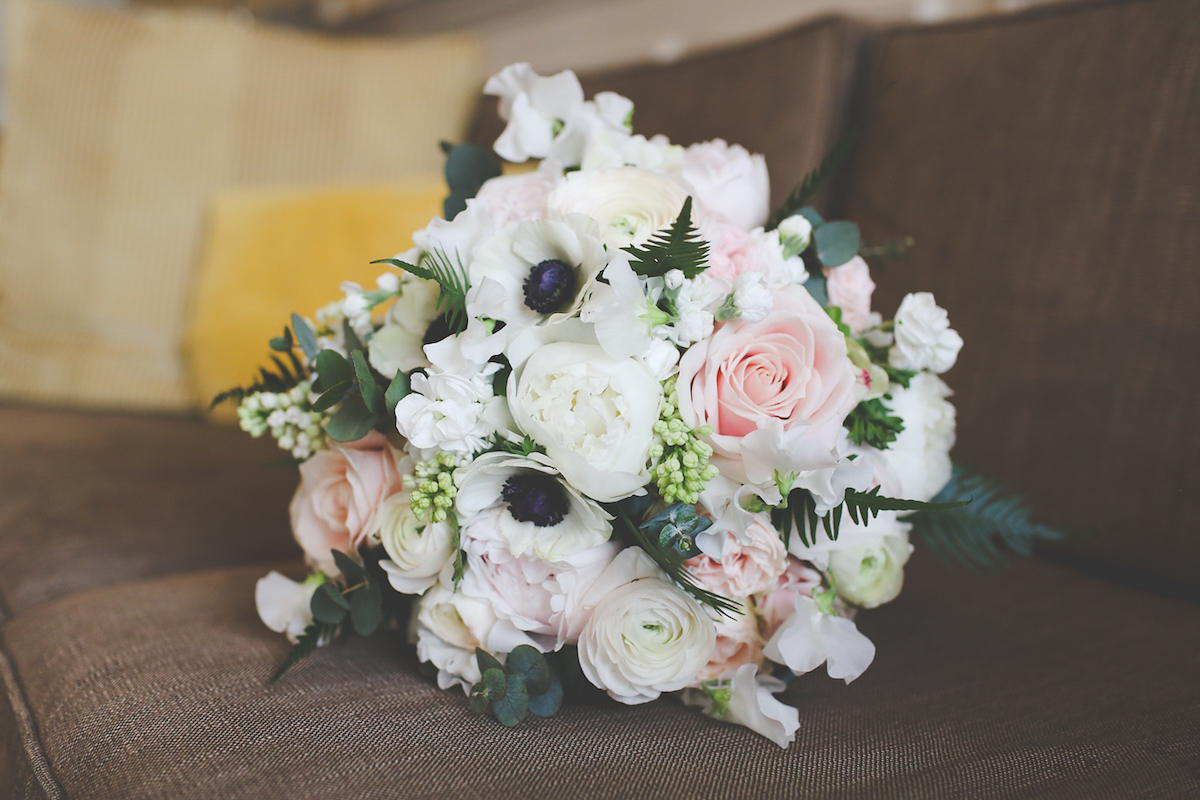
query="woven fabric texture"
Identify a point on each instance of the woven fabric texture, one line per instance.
(1047, 168)
(1032, 682)
(119, 127)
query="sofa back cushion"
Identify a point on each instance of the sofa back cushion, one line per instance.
(1048, 168)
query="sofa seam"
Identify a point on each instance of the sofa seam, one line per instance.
(27, 728)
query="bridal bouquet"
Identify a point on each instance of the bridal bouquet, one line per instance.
(612, 421)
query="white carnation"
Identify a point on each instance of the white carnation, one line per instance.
(448, 411)
(924, 338)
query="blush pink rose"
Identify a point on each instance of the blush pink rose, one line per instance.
(516, 198)
(340, 492)
(749, 564)
(776, 605)
(850, 287)
(733, 251)
(789, 369)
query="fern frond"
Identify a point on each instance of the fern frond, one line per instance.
(266, 381)
(313, 636)
(676, 247)
(814, 180)
(800, 512)
(450, 275)
(978, 534)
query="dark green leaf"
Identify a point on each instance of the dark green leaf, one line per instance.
(366, 608)
(372, 395)
(676, 247)
(816, 287)
(837, 243)
(549, 701)
(351, 570)
(396, 391)
(512, 708)
(350, 337)
(282, 344)
(351, 422)
(332, 396)
(333, 368)
(328, 605)
(304, 335)
(811, 214)
(494, 683)
(468, 167)
(530, 665)
(305, 644)
(453, 205)
(486, 661)
(477, 702)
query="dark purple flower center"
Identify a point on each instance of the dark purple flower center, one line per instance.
(550, 286)
(535, 497)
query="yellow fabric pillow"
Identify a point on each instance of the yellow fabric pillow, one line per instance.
(120, 127)
(271, 253)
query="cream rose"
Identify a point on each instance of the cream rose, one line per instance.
(646, 637)
(630, 204)
(594, 414)
(341, 490)
(730, 181)
(417, 551)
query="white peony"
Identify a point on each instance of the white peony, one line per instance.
(417, 551)
(924, 338)
(730, 181)
(920, 457)
(750, 700)
(810, 637)
(630, 204)
(283, 604)
(871, 575)
(646, 637)
(594, 415)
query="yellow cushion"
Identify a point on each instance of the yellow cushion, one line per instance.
(119, 129)
(271, 253)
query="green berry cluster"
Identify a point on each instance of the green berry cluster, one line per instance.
(433, 489)
(680, 460)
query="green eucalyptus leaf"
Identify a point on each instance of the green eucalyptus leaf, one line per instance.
(332, 396)
(351, 570)
(816, 286)
(530, 665)
(328, 605)
(478, 703)
(371, 393)
(486, 661)
(549, 701)
(333, 368)
(495, 684)
(468, 167)
(837, 243)
(304, 335)
(396, 391)
(283, 343)
(350, 337)
(366, 608)
(512, 708)
(813, 217)
(352, 421)
(453, 205)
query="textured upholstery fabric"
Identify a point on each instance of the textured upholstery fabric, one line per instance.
(1033, 682)
(783, 97)
(1047, 168)
(90, 499)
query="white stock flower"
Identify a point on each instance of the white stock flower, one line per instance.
(417, 550)
(283, 604)
(730, 181)
(750, 700)
(924, 338)
(630, 204)
(750, 297)
(810, 637)
(920, 456)
(448, 411)
(871, 574)
(594, 414)
(646, 637)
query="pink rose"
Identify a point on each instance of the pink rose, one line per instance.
(739, 642)
(340, 492)
(788, 373)
(850, 287)
(516, 198)
(748, 564)
(775, 606)
(733, 251)
(729, 181)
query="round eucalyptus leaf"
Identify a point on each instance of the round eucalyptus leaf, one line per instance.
(549, 701)
(531, 666)
(512, 708)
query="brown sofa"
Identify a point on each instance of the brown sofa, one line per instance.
(1048, 166)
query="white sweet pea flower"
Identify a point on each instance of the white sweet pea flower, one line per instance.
(871, 575)
(730, 181)
(417, 550)
(542, 514)
(811, 637)
(614, 109)
(749, 699)
(924, 338)
(355, 308)
(454, 241)
(285, 605)
(630, 204)
(776, 458)
(593, 414)
(795, 234)
(536, 109)
(398, 344)
(621, 312)
(448, 411)
(920, 456)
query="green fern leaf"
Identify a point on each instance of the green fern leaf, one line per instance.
(451, 277)
(978, 534)
(814, 180)
(307, 642)
(676, 247)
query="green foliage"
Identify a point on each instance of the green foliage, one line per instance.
(450, 275)
(467, 168)
(526, 684)
(372, 395)
(304, 336)
(676, 247)
(807, 189)
(306, 643)
(526, 447)
(836, 243)
(670, 559)
(800, 512)
(873, 424)
(396, 391)
(284, 377)
(977, 534)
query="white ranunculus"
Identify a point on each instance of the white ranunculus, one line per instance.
(730, 181)
(594, 414)
(283, 604)
(920, 456)
(481, 485)
(810, 637)
(398, 345)
(924, 338)
(751, 702)
(417, 551)
(871, 575)
(630, 204)
(448, 411)
(646, 637)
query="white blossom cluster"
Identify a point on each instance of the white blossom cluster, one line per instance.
(289, 418)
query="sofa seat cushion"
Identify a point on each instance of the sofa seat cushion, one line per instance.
(1033, 681)
(88, 499)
